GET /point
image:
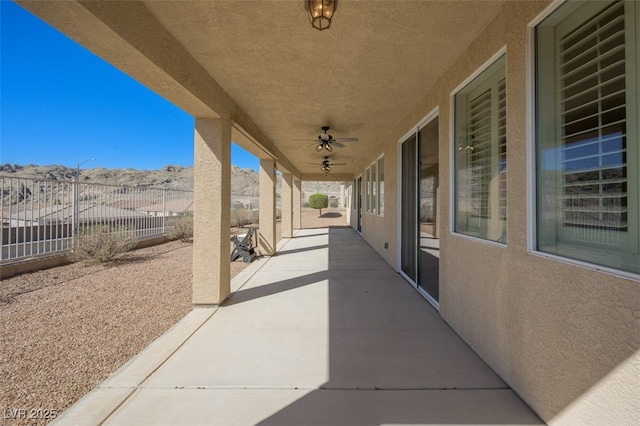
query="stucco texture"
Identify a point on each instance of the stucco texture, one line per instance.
(566, 338)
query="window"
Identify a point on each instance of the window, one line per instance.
(587, 133)
(367, 175)
(481, 156)
(381, 186)
(374, 188)
(355, 186)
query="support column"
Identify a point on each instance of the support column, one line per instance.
(212, 200)
(267, 231)
(297, 203)
(287, 205)
(342, 203)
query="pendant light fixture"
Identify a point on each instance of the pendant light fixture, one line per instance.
(321, 12)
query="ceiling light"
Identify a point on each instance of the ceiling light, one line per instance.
(319, 147)
(321, 12)
(328, 146)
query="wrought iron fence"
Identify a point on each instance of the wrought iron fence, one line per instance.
(41, 217)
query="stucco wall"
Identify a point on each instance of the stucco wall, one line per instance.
(565, 338)
(381, 229)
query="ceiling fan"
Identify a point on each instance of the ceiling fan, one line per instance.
(326, 164)
(326, 141)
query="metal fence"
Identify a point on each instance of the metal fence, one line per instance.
(41, 217)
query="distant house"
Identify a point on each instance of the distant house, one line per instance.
(176, 207)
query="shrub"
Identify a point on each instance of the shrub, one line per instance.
(319, 202)
(103, 243)
(183, 229)
(240, 217)
(333, 203)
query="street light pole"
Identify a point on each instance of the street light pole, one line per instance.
(76, 210)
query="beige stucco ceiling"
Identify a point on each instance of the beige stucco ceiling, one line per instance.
(360, 77)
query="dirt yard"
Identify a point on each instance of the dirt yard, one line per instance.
(66, 329)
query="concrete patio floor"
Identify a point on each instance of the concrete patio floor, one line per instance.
(324, 333)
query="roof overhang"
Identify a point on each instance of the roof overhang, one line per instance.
(262, 66)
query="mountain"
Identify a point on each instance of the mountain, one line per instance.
(243, 181)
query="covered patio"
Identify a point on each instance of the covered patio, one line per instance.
(323, 333)
(449, 111)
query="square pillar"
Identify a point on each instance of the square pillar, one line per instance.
(212, 201)
(267, 230)
(297, 203)
(287, 205)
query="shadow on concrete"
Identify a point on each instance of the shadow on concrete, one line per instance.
(311, 235)
(330, 215)
(325, 227)
(246, 295)
(300, 250)
(392, 359)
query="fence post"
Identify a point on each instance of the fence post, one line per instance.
(76, 213)
(164, 210)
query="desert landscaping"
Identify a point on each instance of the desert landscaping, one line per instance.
(68, 328)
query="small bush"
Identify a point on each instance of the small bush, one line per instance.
(333, 203)
(319, 202)
(103, 243)
(183, 229)
(240, 217)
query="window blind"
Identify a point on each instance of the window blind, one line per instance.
(592, 113)
(479, 164)
(502, 149)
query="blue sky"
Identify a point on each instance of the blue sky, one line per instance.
(61, 104)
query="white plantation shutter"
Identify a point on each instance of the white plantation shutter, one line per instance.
(479, 153)
(481, 156)
(587, 133)
(502, 149)
(592, 126)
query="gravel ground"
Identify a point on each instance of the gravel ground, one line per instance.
(64, 330)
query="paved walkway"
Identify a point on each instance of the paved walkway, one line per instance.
(324, 333)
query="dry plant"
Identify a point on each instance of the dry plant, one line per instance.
(183, 229)
(103, 243)
(241, 217)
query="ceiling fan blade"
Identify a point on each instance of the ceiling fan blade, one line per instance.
(346, 139)
(338, 164)
(338, 144)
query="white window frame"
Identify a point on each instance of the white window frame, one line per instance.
(532, 210)
(380, 185)
(499, 55)
(374, 191)
(367, 182)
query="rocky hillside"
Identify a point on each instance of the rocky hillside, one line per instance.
(243, 181)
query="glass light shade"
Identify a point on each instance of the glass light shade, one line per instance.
(321, 12)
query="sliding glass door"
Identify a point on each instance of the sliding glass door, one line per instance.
(420, 244)
(429, 238)
(409, 224)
